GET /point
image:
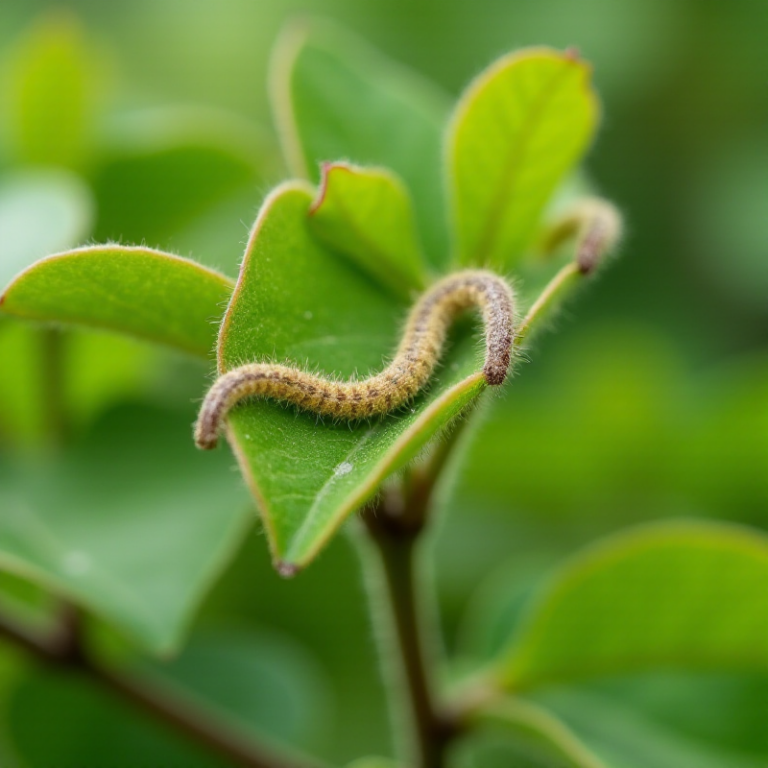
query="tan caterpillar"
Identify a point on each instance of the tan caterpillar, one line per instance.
(413, 363)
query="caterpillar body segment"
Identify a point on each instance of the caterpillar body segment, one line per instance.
(411, 368)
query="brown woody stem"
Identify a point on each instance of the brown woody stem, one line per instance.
(64, 648)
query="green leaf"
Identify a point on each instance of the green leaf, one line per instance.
(374, 762)
(137, 291)
(539, 734)
(68, 721)
(517, 132)
(336, 99)
(258, 682)
(686, 595)
(41, 212)
(51, 96)
(297, 301)
(366, 214)
(160, 169)
(133, 524)
(626, 733)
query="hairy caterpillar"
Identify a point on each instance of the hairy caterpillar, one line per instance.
(413, 363)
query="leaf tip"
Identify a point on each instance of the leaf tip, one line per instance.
(286, 570)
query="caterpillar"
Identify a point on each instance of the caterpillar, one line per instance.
(414, 361)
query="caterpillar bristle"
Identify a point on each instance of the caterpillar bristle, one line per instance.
(407, 374)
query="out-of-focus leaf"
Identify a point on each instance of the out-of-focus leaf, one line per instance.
(138, 291)
(69, 722)
(162, 168)
(539, 735)
(41, 212)
(374, 762)
(260, 683)
(626, 734)
(366, 214)
(727, 222)
(133, 524)
(516, 133)
(22, 388)
(297, 301)
(51, 94)
(336, 99)
(684, 595)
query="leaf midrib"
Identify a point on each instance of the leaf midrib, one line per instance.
(512, 164)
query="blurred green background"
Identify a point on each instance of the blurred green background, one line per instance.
(650, 401)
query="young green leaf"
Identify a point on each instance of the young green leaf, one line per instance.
(516, 133)
(161, 168)
(132, 539)
(538, 732)
(334, 98)
(298, 302)
(687, 595)
(366, 214)
(51, 88)
(137, 291)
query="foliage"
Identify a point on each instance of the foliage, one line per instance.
(330, 267)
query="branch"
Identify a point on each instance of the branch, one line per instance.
(64, 648)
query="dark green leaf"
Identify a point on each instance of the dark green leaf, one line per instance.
(685, 731)
(260, 683)
(133, 524)
(161, 169)
(539, 734)
(684, 595)
(336, 99)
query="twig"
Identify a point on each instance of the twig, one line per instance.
(64, 648)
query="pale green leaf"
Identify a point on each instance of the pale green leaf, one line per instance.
(374, 762)
(136, 291)
(134, 539)
(538, 733)
(685, 595)
(298, 302)
(517, 132)
(161, 169)
(41, 212)
(336, 99)
(366, 214)
(51, 94)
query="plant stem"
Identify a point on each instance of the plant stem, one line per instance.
(64, 648)
(53, 380)
(395, 526)
(397, 549)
